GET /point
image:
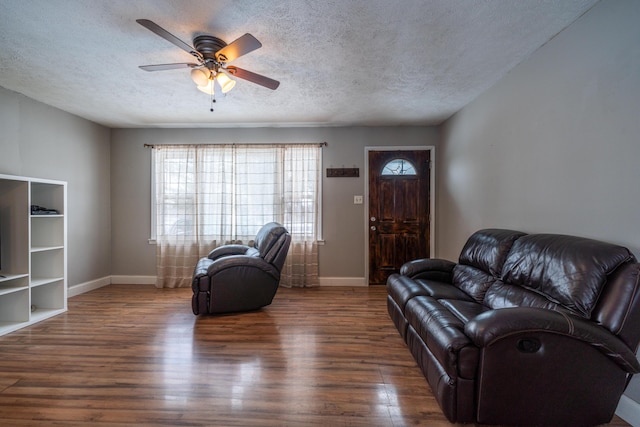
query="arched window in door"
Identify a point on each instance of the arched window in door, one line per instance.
(398, 167)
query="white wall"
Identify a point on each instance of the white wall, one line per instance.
(343, 222)
(555, 145)
(40, 141)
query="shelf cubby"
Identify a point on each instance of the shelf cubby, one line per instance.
(47, 299)
(47, 264)
(47, 231)
(13, 283)
(14, 310)
(48, 195)
(14, 226)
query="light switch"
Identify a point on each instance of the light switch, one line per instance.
(358, 200)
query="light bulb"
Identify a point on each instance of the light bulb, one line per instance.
(200, 76)
(207, 88)
(226, 84)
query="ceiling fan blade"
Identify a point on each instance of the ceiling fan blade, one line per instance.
(238, 47)
(150, 25)
(163, 67)
(253, 77)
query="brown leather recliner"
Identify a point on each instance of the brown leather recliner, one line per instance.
(525, 329)
(234, 278)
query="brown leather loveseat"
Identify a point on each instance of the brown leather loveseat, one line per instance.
(525, 329)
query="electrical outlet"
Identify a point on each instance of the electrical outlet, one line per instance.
(358, 200)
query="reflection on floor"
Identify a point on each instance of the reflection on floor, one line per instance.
(135, 355)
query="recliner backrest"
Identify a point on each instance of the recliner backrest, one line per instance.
(278, 252)
(568, 270)
(481, 260)
(270, 241)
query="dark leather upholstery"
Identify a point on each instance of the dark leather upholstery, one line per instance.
(536, 329)
(234, 278)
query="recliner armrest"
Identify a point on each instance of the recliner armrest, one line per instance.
(429, 269)
(227, 250)
(247, 264)
(504, 323)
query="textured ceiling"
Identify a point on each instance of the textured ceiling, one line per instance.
(340, 62)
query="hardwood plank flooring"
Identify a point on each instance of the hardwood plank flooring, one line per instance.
(133, 355)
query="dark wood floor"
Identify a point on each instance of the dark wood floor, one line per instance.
(128, 355)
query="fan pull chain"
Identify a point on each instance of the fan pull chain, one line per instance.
(213, 101)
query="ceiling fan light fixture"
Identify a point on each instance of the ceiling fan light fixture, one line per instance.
(207, 88)
(226, 84)
(200, 76)
(211, 54)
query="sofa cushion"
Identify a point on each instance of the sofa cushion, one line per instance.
(463, 310)
(252, 252)
(487, 249)
(401, 289)
(481, 260)
(443, 333)
(472, 281)
(440, 290)
(569, 270)
(501, 295)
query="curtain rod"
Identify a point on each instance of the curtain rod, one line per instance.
(321, 144)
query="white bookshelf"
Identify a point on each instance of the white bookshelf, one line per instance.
(33, 251)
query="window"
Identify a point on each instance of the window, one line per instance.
(230, 191)
(398, 167)
(210, 195)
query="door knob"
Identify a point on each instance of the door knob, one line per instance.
(373, 228)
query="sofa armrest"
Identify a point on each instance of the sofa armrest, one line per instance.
(495, 325)
(227, 250)
(429, 269)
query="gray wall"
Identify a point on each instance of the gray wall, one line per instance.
(43, 142)
(343, 222)
(555, 145)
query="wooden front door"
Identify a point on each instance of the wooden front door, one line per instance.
(398, 210)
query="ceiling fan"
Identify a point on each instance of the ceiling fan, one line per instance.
(212, 55)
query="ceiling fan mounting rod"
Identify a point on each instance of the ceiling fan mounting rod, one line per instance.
(212, 65)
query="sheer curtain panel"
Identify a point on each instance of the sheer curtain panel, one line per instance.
(209, 195)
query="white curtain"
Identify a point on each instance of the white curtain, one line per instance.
(209, 195)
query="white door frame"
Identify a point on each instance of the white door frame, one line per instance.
(432, 197)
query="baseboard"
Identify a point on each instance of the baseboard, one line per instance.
(629, 410)
(133, 280)
(88, 286)
(342, 281)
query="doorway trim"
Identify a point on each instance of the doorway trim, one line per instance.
(432, 196)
